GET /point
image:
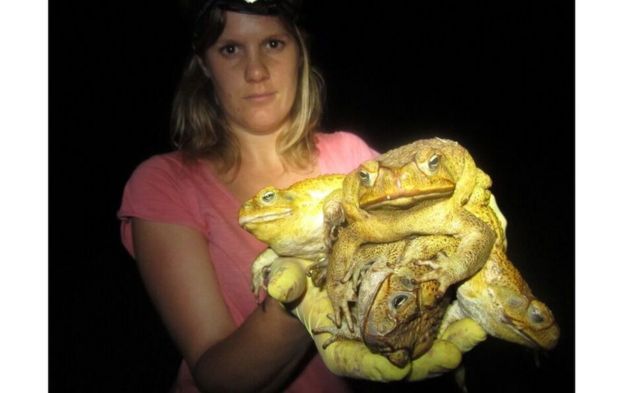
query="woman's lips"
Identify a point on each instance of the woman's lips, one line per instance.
(260, 97)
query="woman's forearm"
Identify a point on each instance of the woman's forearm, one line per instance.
(259, 356)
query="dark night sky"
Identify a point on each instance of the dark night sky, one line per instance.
(496, 76)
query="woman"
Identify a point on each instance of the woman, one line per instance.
(244, 117)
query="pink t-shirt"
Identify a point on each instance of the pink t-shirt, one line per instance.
(164, 189)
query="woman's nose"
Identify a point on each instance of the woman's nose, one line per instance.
(256, 70)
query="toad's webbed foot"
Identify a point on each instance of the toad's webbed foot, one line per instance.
(342, 308)
(260, 281)
(333, 218)
(343, 262)
(352, 271)
(261, 271)
(318, 272)
(336, 334)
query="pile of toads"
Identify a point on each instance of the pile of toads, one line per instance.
(397, 268)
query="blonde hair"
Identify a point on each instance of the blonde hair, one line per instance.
(198, 126)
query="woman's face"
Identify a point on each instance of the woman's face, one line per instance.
(254, 69)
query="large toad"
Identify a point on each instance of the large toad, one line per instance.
(497, 298)
(418, 189)
(398, 316)
(395, 315)
(291, 219)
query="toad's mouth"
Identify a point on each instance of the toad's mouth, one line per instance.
(545, 338)
(399, 358)
(404, 199)
(376, 275)
(263, 217)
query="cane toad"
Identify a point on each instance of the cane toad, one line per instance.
(395, 315)
(398, 317)
(497, 297)
(392, 302)
(418, 189)
(500, 300)
(292, 222)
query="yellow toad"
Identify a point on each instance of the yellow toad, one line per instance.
(418, 189)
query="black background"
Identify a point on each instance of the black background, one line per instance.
(496, 76)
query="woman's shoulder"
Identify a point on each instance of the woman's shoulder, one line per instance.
(171, 166)
(159, 190)
(171, 161)
(338, 138)
(342, 151)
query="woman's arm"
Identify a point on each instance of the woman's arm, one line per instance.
(175, 265)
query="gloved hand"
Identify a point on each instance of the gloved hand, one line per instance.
(287, 282)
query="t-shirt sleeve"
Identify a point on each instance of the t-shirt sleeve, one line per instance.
(157, 191)
(359, 149)
(343, 151)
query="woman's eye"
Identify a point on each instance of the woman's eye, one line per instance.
(275, 44)
(228, 50)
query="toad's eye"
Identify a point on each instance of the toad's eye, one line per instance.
(268, 196)
(517, 302)
(434, 162)
(398, 300)
(536, 316)
(365, 177)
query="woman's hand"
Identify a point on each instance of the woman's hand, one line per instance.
(351, 358)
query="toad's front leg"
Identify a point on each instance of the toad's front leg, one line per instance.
(260, 270)
(336, 334)
(341, 296)
(342, 265)
(476, 240)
